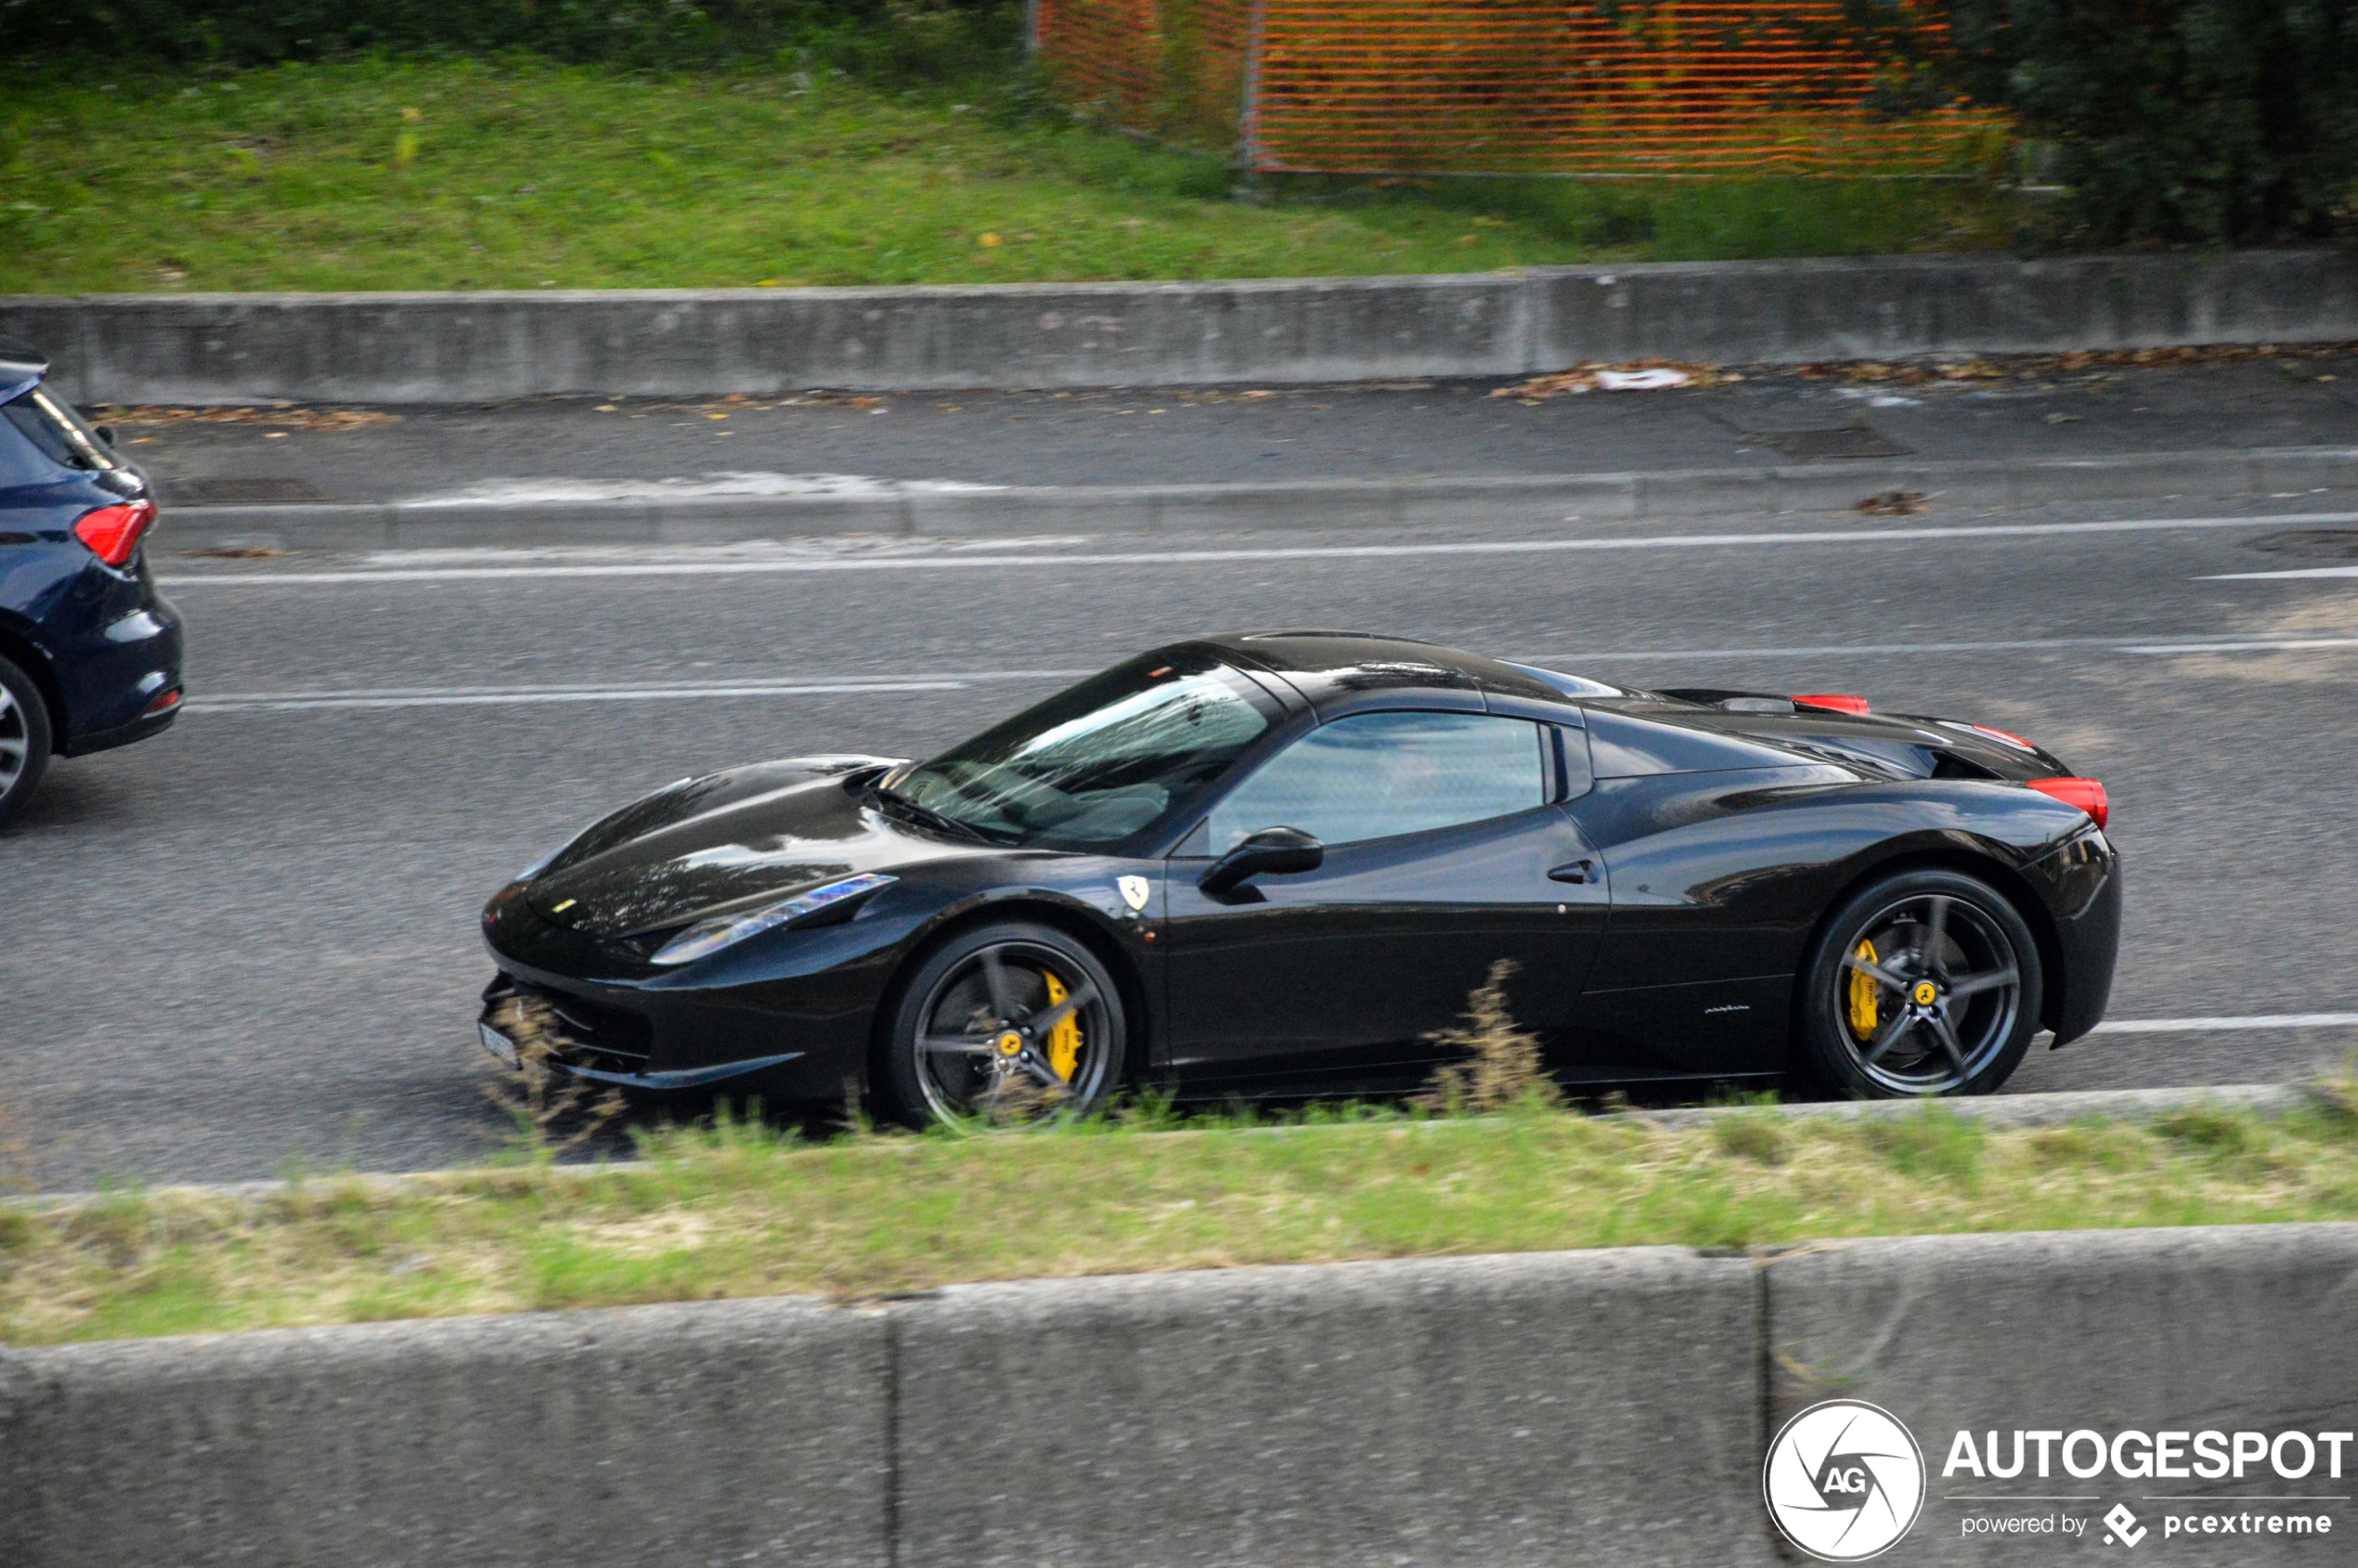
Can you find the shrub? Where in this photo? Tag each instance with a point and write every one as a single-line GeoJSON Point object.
{"type": "Point", "coordinates": [887, 38]}
{"type": "Point", "coordinates": [2202, 120]}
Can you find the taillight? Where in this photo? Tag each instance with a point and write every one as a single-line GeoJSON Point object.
{"type": "Point", "coordinates": [114, 532]}
{"type": "Point", "coordinates": [2086, 794]}
{"type": "Point", "coordinates": [1836, 700]}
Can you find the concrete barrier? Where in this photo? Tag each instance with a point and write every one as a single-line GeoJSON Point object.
{"type": "Point", "coordinates": [1601, 1407]}
{"type": "Point", "coordinates": [458, 347]}
{"type": "Point", "coordinates": [1486, 1410]}
{"type": "Point", "coordinates": [741, 1432]}
{"type": "Point", "coordinates": [2245, 1327]}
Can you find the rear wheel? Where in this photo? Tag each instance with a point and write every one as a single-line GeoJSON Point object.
{"type": "Point", "coordinates": [24, 739]}
{"type": "Point", "coordinates": [1924, 983]}
{"type": "Point", "coordinates": [1007, 1022]}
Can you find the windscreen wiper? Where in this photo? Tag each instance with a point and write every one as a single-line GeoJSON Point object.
{"type": "Point", "coordinates": [928, 815]}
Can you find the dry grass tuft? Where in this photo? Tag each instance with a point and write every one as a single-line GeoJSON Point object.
{"type": "Point", "coordinates": [553, 1112]}
{"type": "Point", "coordinates": [1503, 1066]}
{"type": "Point", "coordinates": [16, 1158]}
{"type": "Point", "coordinates": [1760, 1139]}
{"type": "Point", "coordinates": [1020, 1100]}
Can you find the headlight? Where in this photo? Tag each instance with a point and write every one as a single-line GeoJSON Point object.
{"type": "Point", "coordinates": [711, 936]}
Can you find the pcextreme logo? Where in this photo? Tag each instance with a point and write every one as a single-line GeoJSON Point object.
{"type": "Point", "coordinates": [1845, 1481]}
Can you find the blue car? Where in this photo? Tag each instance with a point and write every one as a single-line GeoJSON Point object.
{"type": "Point", "coordinates": [89, 655]}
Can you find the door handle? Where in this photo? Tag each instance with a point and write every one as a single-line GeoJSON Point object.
{"type": "Point", "coordinates": [1576, 871]}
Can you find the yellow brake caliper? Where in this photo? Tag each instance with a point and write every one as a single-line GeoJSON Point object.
{"type": "Point", "coordinates": [1064, 1040]}
{"type": "Point", "coordinates": [1865, 1008]}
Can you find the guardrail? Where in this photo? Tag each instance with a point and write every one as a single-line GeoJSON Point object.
{"type": "Point", "coordinates": [461, 347]}
{"type": "Point", "coordinates": [1602, 1407]}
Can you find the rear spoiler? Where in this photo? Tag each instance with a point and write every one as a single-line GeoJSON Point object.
{"type": "Point", "coordinates": [21, 365]}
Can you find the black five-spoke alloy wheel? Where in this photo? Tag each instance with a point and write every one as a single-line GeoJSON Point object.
{"type": "Point", "coordinates": [1924, 983]}
{"type": "Point", "coordinates": [1005, 1021]}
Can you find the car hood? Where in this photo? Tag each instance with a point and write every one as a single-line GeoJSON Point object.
{"type": "Point", "coordinates": [728, 843]}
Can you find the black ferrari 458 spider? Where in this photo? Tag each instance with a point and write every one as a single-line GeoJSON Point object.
{"type": "Point", "coordinates": [1276, 863]}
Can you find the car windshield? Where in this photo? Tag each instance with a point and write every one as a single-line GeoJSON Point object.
{"type": "Point", "coordinates": [1097, 762]}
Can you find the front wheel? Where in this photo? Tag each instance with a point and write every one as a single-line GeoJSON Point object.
{"type": "Point", "coordinates": [24, 739]}
{"type": "Point", "coordinates": [1924, 983]}
{"type": "Point", "coordinates": [1006, 1022]}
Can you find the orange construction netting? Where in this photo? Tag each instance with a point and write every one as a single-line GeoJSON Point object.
{"type": "Point", "coordinates": [1503, 86]}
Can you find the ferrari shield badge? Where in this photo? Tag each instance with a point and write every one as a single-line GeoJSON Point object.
{"type": "Point", "coordinates": [1133, 891]}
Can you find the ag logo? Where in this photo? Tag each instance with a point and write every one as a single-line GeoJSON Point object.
{"type": "Point", "coordinates": [1844, 1481]}
{"type": "Point", "coordinates": [1135, 891]}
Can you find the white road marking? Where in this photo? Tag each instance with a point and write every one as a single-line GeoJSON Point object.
{"type": "Point", "coordinates": [821, 547]}
{"type": "Point", "coordinates": [946, 681]}
{"type": "Point", "coordinates": [2303, 572]}
{"type": "Point", "coordinates": [2206, 1026]}
{"type": "Point", "coordinates": [289, 701]}
{"type": "Point", "coordinates": [2270, 645]}
{"type": "Point", "coordinates": [709, 487]}
{"type": "Point", "coordinates": [2024, 645]}
{"type": "Point", "coordinates": [1853, 537]}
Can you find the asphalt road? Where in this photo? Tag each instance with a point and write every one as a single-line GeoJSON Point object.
{"type": "Point", "coordinates": [252, 941]}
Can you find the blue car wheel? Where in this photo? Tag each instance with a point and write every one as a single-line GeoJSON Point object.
{"type": "Point", "coordinates": [24, 739]}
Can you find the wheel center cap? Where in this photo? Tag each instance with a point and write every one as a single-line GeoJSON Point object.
{"type": "Point", "coordinates": [1926, 993]}
{"type": "Point", "coordinates": [1008, 1044]}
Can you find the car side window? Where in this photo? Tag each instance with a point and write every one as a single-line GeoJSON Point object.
{"type": "Point", "coordinates": [1376, 775]}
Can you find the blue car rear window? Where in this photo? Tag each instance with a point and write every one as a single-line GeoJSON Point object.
{"type": "Point", "coordinates": [34, 450]}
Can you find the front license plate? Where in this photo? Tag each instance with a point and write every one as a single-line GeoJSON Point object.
{"type": "Point", "coordinates": [497, 1044]}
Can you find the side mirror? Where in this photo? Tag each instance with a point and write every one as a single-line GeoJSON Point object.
{"type": "Point", "coordinates": [106, 434]}
{"type": "Point", "coordinates": [1272, 851]}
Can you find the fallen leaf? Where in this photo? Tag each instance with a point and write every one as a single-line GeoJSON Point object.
{"type": "Point", "coordinates": [1642, 375]}
{"type": "Point", "coordinates": [288, 418]}
{"type": "Point", "coordinates": [1893, 503]}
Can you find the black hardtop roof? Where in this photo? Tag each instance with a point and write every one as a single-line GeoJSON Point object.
{"type": "Point", "coordinates": [1321, 662]}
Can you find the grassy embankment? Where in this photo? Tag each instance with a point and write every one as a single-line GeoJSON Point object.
{"type": "Point", "coordinates": [520, 174]}
{"type": "Point", "coordinates": [742, 1210]}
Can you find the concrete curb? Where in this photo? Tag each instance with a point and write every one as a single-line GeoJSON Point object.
{"type": "Point", "coordinates": [1606, 1408]}
{"type": "Point", "coordinates": [2016, 1110]}
{"type": "Point", "coordinates": [1302, 504]}
{"type": "Point", "coordinates": [463, 347]}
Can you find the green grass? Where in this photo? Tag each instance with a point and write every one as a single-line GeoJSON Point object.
{"type": "Point", "coordinates": [740, 1211]}
{"type": "Point", "coordinates": [468, 175]}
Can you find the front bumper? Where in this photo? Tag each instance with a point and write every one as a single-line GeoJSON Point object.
{"type": "Point", "coordinates": [521, 1022]}
{"type": "Point", "coordinates": [803, 1027]}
